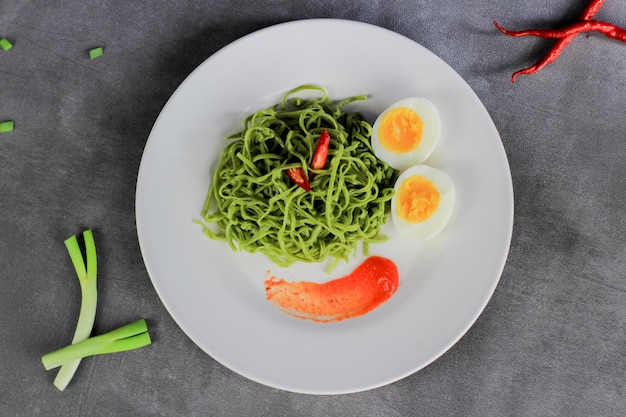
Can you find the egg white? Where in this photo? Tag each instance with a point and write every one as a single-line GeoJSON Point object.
{"type": "Point", "coordinates": [431, 121]}
{"type": "Point", "coordinates": [432, 226]}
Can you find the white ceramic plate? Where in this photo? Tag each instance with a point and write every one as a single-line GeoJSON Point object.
{"type": "Point", "coordinates": [218, 298]}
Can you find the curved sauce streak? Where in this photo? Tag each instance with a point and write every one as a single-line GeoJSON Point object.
{"type": "Point", "coordinates": [368, 286]}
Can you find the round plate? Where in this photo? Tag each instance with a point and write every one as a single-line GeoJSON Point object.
{"type": "Point", "coordinates": [218, 296]}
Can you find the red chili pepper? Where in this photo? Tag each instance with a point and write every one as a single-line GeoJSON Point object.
{"type": "Point", "coordinates": [564, 39]}
{"type": "Point", "coordinates": [591, 9]}
{"type": "Point", "coordinates": [554, 52]}
{"type": "Point", "coordinates": [321, 151]}
{"type": "Point", "coordinates": [299, 178]}
{"type": "Point", "coordinates": [549, 58]}
{"type": "Point", "coordinates": [607, 29]}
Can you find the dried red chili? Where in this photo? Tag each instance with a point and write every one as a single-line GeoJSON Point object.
{"type": "Point", "coordinates": [554, 52]}
{"type": "Point", "coordinates": [565, 35]}
{"type": "Point", "coordinates": [591, 9]}
{"type": "Point", "coordinates": [607, 29]}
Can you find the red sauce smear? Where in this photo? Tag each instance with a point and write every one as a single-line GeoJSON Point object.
{"type": "Point", "coordinates": [367, 287]}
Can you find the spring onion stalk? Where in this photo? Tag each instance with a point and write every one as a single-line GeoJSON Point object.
{"type": "Point", "coordinates": [95, 52]}
{"type": "Point", "coordinates": [6, 126]}
{"type": "Point", "coordinates": [129, 337]}
{"type": "Point", "coordinates": [5, 44]}
{"type": "Point", "coordinates": [87, 277]}
{"type": "Point", "coordinates": [130, 343]}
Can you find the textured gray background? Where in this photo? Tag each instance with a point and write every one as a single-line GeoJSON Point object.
{"type": "Point", "coordinates": [552, 340]}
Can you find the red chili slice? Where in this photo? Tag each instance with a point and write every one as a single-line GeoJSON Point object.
{"type": "Point", "coordinates": [321, 151]}
{"type": "Point", "coordinates": [299, 178]}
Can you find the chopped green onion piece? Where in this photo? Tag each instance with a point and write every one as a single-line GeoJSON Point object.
{"type": "Point", "coordinates": [128, 337]}
{"type": "Point", "coordinates": [6, 126]}
{"type": "Point", "coordinates": [5, 44]}
{"type": "Point", "coordinates": [95, 52]}
{"type": "Point", "coordinates": [87, 277]}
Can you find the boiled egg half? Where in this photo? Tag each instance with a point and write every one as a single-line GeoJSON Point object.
{"type": "Point", "coordinates": [423, 202]}
{"type": "Point", "coordinates": [406, 133]}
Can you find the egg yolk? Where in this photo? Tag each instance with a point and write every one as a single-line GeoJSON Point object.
{"type": "Point", "coordinates": [400, 130]}
{"type": "Point", "coordinates": [417, 199]}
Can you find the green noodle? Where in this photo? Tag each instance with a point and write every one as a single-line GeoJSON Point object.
{"type": "Point", "coordinates": [257, 208]}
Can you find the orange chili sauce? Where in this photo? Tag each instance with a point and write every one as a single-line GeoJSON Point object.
{"type": "Point", "coordinates": [367, 287]}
